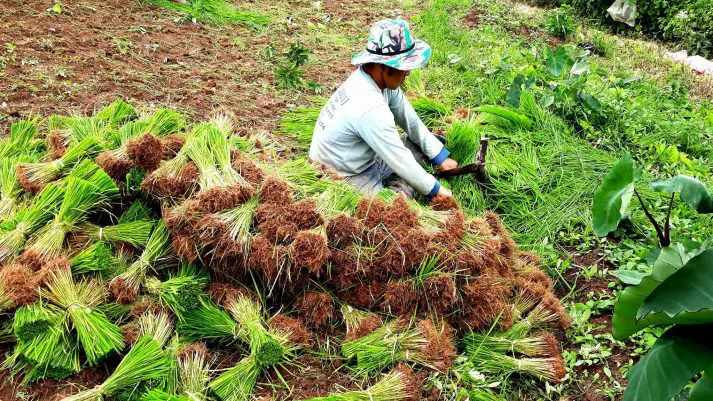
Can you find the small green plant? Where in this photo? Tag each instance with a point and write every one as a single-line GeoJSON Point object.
{"type": "Point", "coordinates": [123, 45]}
{"type": "Point", "coordinates": [289, 74]}
{"type": "Point", "coordinates": [560, 22]}
{"type": "Point", "coordinates": [677, 293]}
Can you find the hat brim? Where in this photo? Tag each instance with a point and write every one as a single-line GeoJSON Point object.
{"type": "Point", "coordinates": [416, 58]}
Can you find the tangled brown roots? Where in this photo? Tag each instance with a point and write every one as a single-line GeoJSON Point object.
{"type": "Point", "coordinates": [116, 168]}
{"type": "Point", "coordinates": [143, 306]}
{"type": "Point", "coordinates": [305, 214]}
{"type": "Point", "coordinates": [364, 295]}
{"type": "Point", "coordinates": [262, 258]}
{"type": "Point", "coordinates": [123, 292]}
{"type": "Point", "coordinates": [145, 151]}
{"type": "Point", "coordinates": [225, 293]}
{"type": "Point", "coordinates": [292, 328]}
{"type": "Point", "coordinates": [248, 170]}
{"type": "Point", "coordinates": [439, 349]}
{"type": "Point", "coordinates": [400, 298]}
{"type": "Point", "coordinates": [26, 182]}
{"type": "Point", "coordinates": [439, 293]}
{"type": "Point", "coordinates": [399, 216]}
{"type": "Point", "coordinates": [277, 191]}
{"type": "Point", "coordinates": [171, 145]}
{"type": "Point", "coordinates": [214, 200]}
{"type": "Point", "coordinates": [164, 186]}
{"type": "Point", "coordinates": [315, 308]}
{"type": "Point", "coordinates": [484, 301]}
{"type": "Point", "coordinates": [371, 212]}
{"type": "Point", "coordinates": [444, 203]}
{"type": "Point", "coordinates": [20, 284]}
{"type": "Point", "coordinates": [310, 250]}
{"type": "Point", "coordinates": [57, 145]}
{"type": "Point", "coordinates": [371, 323]}
{"type": "Point", "coordinates": [343, 230]}
{"type": "Point", "coordinates": [411, 383]}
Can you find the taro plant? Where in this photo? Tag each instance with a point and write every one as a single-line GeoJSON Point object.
{"type": "Point", "coordinates": [678, 292]}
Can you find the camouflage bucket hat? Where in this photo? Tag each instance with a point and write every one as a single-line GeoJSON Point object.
{"type": "Point", "coordinates": [390, 43]}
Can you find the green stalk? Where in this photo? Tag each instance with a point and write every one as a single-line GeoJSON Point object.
{"type": "Point", "coordinates": [117, 113]}
{"type": "Point", "coordinates": [338, 197]}
{"type": "Point", "coordinates": [266, 346]}
{"type": "Point", "coordinates": [97, 335]}
{"type": "Point", "coordinates": [208, 322]}
{"type": "Point", "coordinates": [485, 360]}
{"type": "Point", "coordinates": [238, 382]}
{"type": "Point", "coordinates": [239, 221]}
{"type": "Point", "coordinates": [134, 233]}
{"type": "Point", "coordinates": [32, 320]}
{"type": "Point", "coordinates": [98, 258]}
{"type": "Point", "coordinates": [180, 293]}
{"type": "Point", "coordinates": [22, 135]}
{"type": "Point", "coordinates": [10, 190]}
{"type": "Point", "coordinates": [194, 373]}
{"type": "Point", "coordinates": [540, 345]}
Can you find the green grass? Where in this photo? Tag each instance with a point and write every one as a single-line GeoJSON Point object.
{"type": "Point", "coordinates": [219, 12]}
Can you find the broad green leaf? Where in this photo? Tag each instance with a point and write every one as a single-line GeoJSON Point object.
{"type": "Point", "coordinates": [557, 60]}
{"type": "Point", "coordinates": [688, 293]}
{"type": "Point", "coordinates": [515, 91]}
{"type": "Point", "coordinates": [547, 100]}
{"type": "Point", "coordinates": [580, 67]}
{"type": "Point", "coordinates": [674, 359]}
{"type": "Point", "coordinates": [631, 277]}
{"type": "Point", "coordinates": [703, 389]}
{"type": "Point", "coordinates": [624, 322]}
{"type": "Point", "coordinates": [613, 196]}
{"type": "Point", "coordinates": [692, 192]}
{"type": "Point", "coordinates": [591, 102]}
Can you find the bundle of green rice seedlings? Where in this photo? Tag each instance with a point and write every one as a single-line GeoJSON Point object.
{"type": "Point", "coordinates": [97, 335]}
{"type": "Point", "coordinates": [117, 113]}
{"type": "Point", "coordinates": [28, 220]}
{"type": "Point", "coordinates": [146, 361]}
{"type": "Point", "coordinates": [299, 123]}
{"type": "Point", "coordinates": [238, 382]}
{"type": "Point", "coordinates": [135, 233]}
{"type": "Point", "coordinates": [268, 348]}
{"type": "Point", "coordinates": [10, 190]}
{"type": "Point", "coordinates": [426, 344]}
{"type": "Point", "coordinates": [31, 320]}
{"type": "Point", "coordinates": [139, 143]}
{"type": "Point", "coordinates": [400, 384]}
{"type": "Point", "coordinates": [542, 344]}
{"type": "Point", "coordinates": [430, 111]}
{"type": "Point", "coordinates": [338, 197]}
{"type": "Point", "coordinates": [125, 286]}
{"type": "Point", "coordinates": [52, 354]}
{"type": "Point", "coordinates": [221, 186]}
{"type": "Point", "coordinates": [228, 233]}
{"type": "Point", "coordinates": [547, 313]}
{"type": "Point", "coordinates": [97, 258]}
{"type": "Point", "coordinates": [182, 292]}
{"type": "Point", "coordinates": [81, 197]}
{"type": "Point", "coordinates": [486, 360]}
{"type": "Point", "coordinates": [208, 322]}
{"type": "Point", "coordinates": [137, 211]}
{"type": "Point", "coordinates": [194, 370]}
{"type": "Point", "coordinates": [34, 176]}
{"type": "Point", "coordinates": [302, 176]}
{"type": "Point", "coordinates": [479, 394]}
{"type": "Point", "coordinates": [22, 139]}
{"type": "Point", "coordinates": [160, 395]}
{"type": "Point", "coordinates": [517, 119]}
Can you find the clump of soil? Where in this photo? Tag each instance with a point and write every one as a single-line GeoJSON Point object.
{"type": "Point", "coordinates": [145, 151]}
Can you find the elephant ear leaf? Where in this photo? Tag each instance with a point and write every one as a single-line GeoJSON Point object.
{"type": "Point", "coordinates": [675, 358]}
{"type": "Point", "coordinates": [687, 295]}
{"type": "Point", "coordinates": [624, 321]}
{"type": "Point", "coordinates": [703, 389]}
{"type": "Point", "coordinates": [692, 192]}
{"type": "Point", "coordinates": [612, 198]}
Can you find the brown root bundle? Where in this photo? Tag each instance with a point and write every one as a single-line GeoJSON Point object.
{"type": "Point", "coordinates": [344, 268]}
{"type": "Point", "coordinates": [182, 219]}
{"type": "Point", "coordinates": [530, 258]}
{"type": "Point", "coordinates": [295, 331]}
{"type": "Point", "coordinates": [439, 348]}
{"type": "Point", "coordinates": [536, 276]}
{"type": "Point", "coordinates": [305, 214]}
{"type": "Point", "coordinates": [214, 200]}
{"type": "Point", "coordinates": [57, 144]}
{"type": "Point", "coordinates": [369, 324]}
{"type": "Point", "coordinates": [400, 298]}
{"type": "Point", "coordinates": [412, 384]}
{"type": "Point", "coordinates": [551, 348]}
{"type": "Point", "coordinates": [123, 292]}
{"type": "Point", "coordinates": [145, 151]}
{"type": "Point", "coordinates": [262, 258]}
{"type": "Point", "coordinates": [400, 216]}
{"type": "Point", "coordinates": [416, 246]}
{"type": "Point", "coordinates": [444, 203]}
{"type": "Point", "coordinates": [115, 167]}
{"type": "Point", "coordinates": [371, 212]}
{"type": "Point", "coordinates": [189, 350]}
{"type": "Point", "coordinates": [52, 266]}
{"type": "Point", "coordinates": [29, 185]}
{"type": "Point", "coordinates": [343, 230]}
{"type": "Point", "coordinates": [278, 231]}
{"type": "Point", "coordinates": [20, 284]}
{"type": "Point", "coordinates": [529, 290]}
{"type": "Point", "coordinates": [315, 308]}
{"type": "Point", "coordinates": [32, 259]}
{"type": "Point", "coordinates": [131, 333]}
{"type": "Point", "coordinates": [277, 191]}
{"type": "Point", "coordinates": [484, 302]}
{"type": "Point", "coordinates": [185, 246]}
{"type": "Point", "coordinates": [470, 263]}
{"type": "Point", "coordinates": [165, 186]}
{"type": "Point", "coordinates": [328, 171]}
{"type": "Point", "coordinates": [143, 306]}
{"type": "Point", "coordinates": [508, 247]}
{"type": "Point", "coordinates": [225, 293]}
{"type": "Point", "coordinates": [554, 306]}
{"type": "Point", "coordinates": [364, 295]}
{"type": "Point", "coordinates": [248, 170]}
{"type": "Point", "coordinates": [310, 251]}
{"type": "Point", "coordinates": [439, 293]}
{"type": "Point", "coordinates": [171, 145]}
{"type": "Point", "coordinates": [450, 236]}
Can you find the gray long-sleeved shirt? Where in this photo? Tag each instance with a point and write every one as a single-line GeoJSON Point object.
{"type": "Point", "coordinates": [358, 123]}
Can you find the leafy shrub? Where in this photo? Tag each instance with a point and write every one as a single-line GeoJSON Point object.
{"type": "Point", "coordinates": [560, 22]}
{"type": "Point", "coordinates": [289, 74]}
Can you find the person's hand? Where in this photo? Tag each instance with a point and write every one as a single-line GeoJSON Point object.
{"type": "Point", "coordinates": [448, 164]}
{"type": "Point", "coordinates": [442, 191]}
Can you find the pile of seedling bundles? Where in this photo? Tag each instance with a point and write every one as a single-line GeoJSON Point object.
{"type": "Point", "coordinates": [191, 263]}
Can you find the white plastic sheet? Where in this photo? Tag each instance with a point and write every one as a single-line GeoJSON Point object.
{"type": "Point", "coordinates": [623, 11]}
{"type": "Point", "coordinates": [698, 64]}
